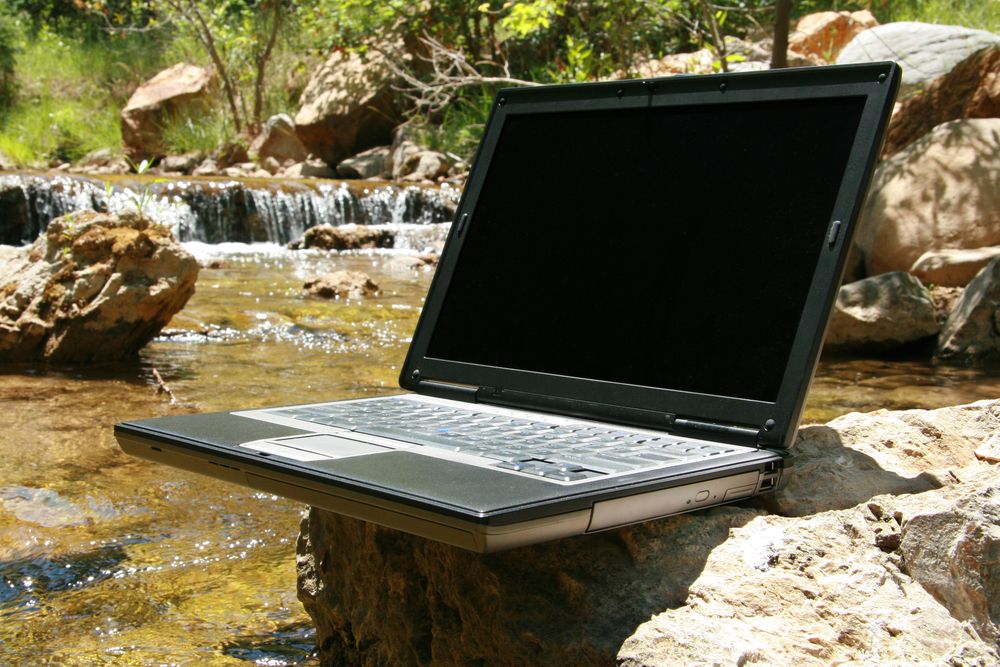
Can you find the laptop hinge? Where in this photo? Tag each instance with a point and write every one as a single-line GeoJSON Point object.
{"type": "Point", "coordinates": [744, 434]}
{"type": "Point", "coordinates": [449, 390]}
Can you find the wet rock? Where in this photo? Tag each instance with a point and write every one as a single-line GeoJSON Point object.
{"type": "Point", "coordinates": [183, 164]}
{"type": "Point", "coordinates": [951, 267]}
{"type": "Point", "coordinates": [178, 89]}
{"type": "Point", "coordinates": [731, 585]}
{"type": "Point", "coordinates": [945, 299]}
{"type": "Point", "coordinates": [423, 262]}
{"type": "Point", "coordinates": [93, 288]}
{"type": "Point", "coordinates": [347, 237]}
{"type": "Point", "coordinates": [970, 90]}
{"type": "Point", "coordinates": [367, 164]}
{"type": "Point", "coordinates": [342, 285]}
{"type": "Point", "coordinates": [941, 191]}
{"type": "Point", "coordinates": [971, 336]}
{"type": "Point", "coordinates": [880, 313]}
{"type": "Point", "coordinates": [823, 35]}
{"type": "Point", "coordinates": [348, 105]}
{"type": "Point", "coordinates": [924, 50]}
{"type": "Point", "coordinates": [278, 140]}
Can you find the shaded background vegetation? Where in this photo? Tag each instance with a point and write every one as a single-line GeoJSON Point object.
{"type": "Point", "coordinates": [68, 67]}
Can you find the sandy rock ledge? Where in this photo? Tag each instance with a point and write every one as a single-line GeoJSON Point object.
{"type": "Point", "coordinates": [883, 550]}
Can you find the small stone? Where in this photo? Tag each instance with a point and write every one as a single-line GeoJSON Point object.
{"type": "Point", "coordinates": [342, 285]}
{"type": "Point", "coordinates": [347, 237]}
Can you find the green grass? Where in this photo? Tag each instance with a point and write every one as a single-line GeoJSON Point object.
{"type": "Point", "coordinates": [198, 132]}
{"type": "Point", "coordinates": [980, 14]}
{"type": "Point", "coordinates": [65, 129]}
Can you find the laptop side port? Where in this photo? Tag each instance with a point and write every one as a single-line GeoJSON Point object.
{"type": "Point", "coordinates": [769, 478]}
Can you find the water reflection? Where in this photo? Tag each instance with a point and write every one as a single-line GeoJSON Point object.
{"type": "Point", "coordinates": [106, 558]}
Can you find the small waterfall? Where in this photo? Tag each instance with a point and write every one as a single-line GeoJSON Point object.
{"type": "Point", "coordinates": [219, 211]}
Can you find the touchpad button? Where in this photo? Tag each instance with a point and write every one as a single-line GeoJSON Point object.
{"type": "Point", "coordinates": [331, 446]}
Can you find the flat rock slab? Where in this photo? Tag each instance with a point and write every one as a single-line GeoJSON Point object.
{"type": "Point", "coordinates": [898, 569]}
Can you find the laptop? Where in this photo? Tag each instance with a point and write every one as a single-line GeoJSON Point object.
{"type": "Point", "coordinates": [623, 325]}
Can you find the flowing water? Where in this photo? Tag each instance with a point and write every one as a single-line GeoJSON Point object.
{"type": "Point", "coordinates": [106, 559]}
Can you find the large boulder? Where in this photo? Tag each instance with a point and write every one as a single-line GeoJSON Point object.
{"type": "Point", "coordinates": [924, 50]}
{"type": "Point", "coordinates": [880, 313]}
{"type": "Point", "coordinates": [951, 267]}
{"type": "Point", "coordinates": [278, 140]}
{"type": "Point", "coordinates": [178, 89]}
{"type": "Point", "coordinates": [971, 336]}
{"type": "Point", "coordinates": [94, 288]}
{"type": "Point", "coordinates": [970, 90]}
{"type": "Point", "coordinates": [348, 105]}
{"type": "Point", "coordinates": [941, 191]}
{"type": "Point", "coordinates": [855, 577]}
{"type": "Point", "coordinates": [372, 163]}
{"type": "Point", "coordinates": [823, 35]}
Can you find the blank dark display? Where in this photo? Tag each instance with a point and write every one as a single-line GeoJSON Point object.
{"type": "Point", "coordinates": [667, 247]}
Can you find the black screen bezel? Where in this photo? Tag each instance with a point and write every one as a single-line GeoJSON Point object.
{"type": "Point", "coordinates": [876, 83]}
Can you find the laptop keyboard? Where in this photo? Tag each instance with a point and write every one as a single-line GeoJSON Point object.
{"type": "Point", "coordinates": [560, 452]}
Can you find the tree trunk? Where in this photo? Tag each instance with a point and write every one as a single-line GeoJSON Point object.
{"type": "Point", "coordinates": [262, 58]}
{"type": "Point", "coordinates": [779, 52]}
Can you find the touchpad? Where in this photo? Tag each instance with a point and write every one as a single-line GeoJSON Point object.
{"type": "Point", "coordinates": [330, 446]}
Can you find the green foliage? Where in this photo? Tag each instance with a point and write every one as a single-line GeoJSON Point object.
{"type": "Point", "coordinates": [461, 124]}
{"type": "Point", "coordinates": [8, 52]}
{"type": "Point", "coordinates": [58, 128]}
{"type": "Point", "coordinates": [198, 132]}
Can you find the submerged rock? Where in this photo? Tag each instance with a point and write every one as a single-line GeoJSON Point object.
{"type": "Point", "coordinates": [93, 288]}
{"type": "Point", "coordinates": [342, 285]}
{"type": "Point", "coordinates": [880, 313]}
{"type": "Point", "coordinates": [856, 576]}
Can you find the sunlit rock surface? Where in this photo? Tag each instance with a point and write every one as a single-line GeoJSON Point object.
{"type": "Point", "coordinates": [941, 191]}
{"type": "Point", "coordinates": [881, 549]}
{"type": "Point", "coordinates": [175, 90]}
{"type": "Point", "coordinates": [342, 285]}
{"type": "Point", "coordinates": [971, 336]}
{"type": "Point", "coordinates": [93, 288]}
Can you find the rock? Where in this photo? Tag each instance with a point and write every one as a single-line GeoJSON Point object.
{"type": "Point", "coordinates": [178, 89]}
{"type": "Point", "coordinates": [951, 267]}
{"type": "Point", "coordinates": [971, 336]}
{"type": "Point", "coordinates": [823, 35]}
{"type": "Point", "coordinates": [970, 90]}
{"type": "Point", "coordinates": [97, 158]}
{"type": "Point", "coordinates": [347, 106]}
{"type": "Point", "coordinates": [941, 191]}
{"type": "Point", "coordinates": [208, 167]}
{"type": "Point", "coordinates": [945, 299]}
{"type": "Point", "coordinates": [6, 164]}
{"type": "Point", "coordinates": [924, 50]}
{"type": "Point", "coordinates": [989, 451]}
{"type": "Point", "coordinates": [952, 551]}
{"type": "Point", "coordinates": [425, 165]}
{"type": "Point", "coordinates": [367, 164]}
{"type": "Point", "coordinates": [817, 591]}
{"type": "Point", "coordinates": [94, 288]}
{"type": "Point", "coordinates": [423, 262]}
{"type": "Point", "coordinates": [183, 164]}
{"type": "Point", "coordinates": [347, 237]}
{"type": "Point", "coordinates": [859, 456]}
{"type": "Point", "coordinates": [311, 168]}
{"type": "Point", "coordinates": [880, 313]}
{"type": "Point", "coordinates": [727, 586]}
{"type": "Point", "coordinates": [402, 152]}
{"type": "Point", "coordinates": [230, 154]}
{"type": "Point", "coordinates": [271, 165]}
{"type": "Point", "coordinates": [342, 285]}
{"type": "Point", "coordinates": [118, 165]}
{"type": "Point", "coordinates": [278, 140]}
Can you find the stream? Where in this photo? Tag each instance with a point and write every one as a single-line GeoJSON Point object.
{"type": "Point", "coordinates": [107, 559]}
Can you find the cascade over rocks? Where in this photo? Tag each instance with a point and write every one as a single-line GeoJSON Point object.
{"type": "Point", "coordinates": [924, 50]}
{"type": "Point", "coordinates": [970, 90]}
{"type": "Point", "coordinates": [880, 313]}
{"type": "Point", "coordinates": [347, 106]}
{"type": "Point", "coordinates": [94, 288]}
{"type": "Point", "coordinates": [941, 191]}
{"type": "Point", "coordinates": [177, 89]}
{"type": "Point", "coordinates": [896, 566]}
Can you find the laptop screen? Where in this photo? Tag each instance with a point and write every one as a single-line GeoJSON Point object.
{"type": "Point", "coordinates": [664, 246]}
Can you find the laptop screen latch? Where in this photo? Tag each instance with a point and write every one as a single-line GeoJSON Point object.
{"type": "Point", "coordinates": [449, 390]}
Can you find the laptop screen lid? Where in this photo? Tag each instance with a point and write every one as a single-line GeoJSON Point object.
{"type": "Point", "coordinates": [655, 252]}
